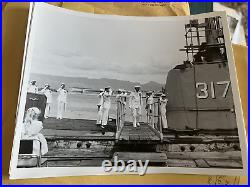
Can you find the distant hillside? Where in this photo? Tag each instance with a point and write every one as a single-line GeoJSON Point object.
{"type": "Point", "coordinates": [80, 82]}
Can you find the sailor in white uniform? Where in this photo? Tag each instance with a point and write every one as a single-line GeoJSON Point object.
{"type": "Point", "coordinates": [124, 96]}
{"type": "Point", "coordinates": [100, 107]}
{"type": "Point", "coordinates": [106, 105]}
{"type": "Point", "coordinates": [62, 101]}
{"type": "Point", "coordinates": [119, 95]}
{"type": "Point", "coordinates": [48, 93]}
{"type": "Point", "coordinates": [135, 104]}
{"type": "Point", "coordinates": [120, 107]}
{"type": "Point", "coordinates": [163, 109]}
{"type": "Point", "coordinates": [149, 107]}
{"type": "Point", "coordinates": [33, 88]}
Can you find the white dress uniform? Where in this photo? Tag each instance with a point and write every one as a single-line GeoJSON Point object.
{"type": "Point", "coordinates": [124, 100]}
{"type": "Point", "coordinates": [119, 97]}
{"type": "Point", "coordinates": [48, 94]}
{"type": "Point", "coordinates": [100, 108]}
{"type": "Point", "coordinates": [61, 100]}
{"type": "Point", "coordinates": [120, 107]}
{"type": "Point", "coordinates": [163, 109]}
{"type": "Point", "coordinates": [106, 107]}
{"type": "Point", "coordinates": [150, 102]}
{"type": "Point", "coordinates": [136, 104]}
{"type": "Point", "coordinates": [33, 89]}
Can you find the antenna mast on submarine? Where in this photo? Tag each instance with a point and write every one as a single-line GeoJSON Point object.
{"type": "Point", "coordinates": [205, 41]}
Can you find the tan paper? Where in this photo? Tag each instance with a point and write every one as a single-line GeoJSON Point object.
{"type": "Point", "coordinates": [132, 9]}
{"type": "Point", "coordinates": [14, 28]}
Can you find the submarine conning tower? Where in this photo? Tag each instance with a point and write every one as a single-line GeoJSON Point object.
{"type": "Point", "coordinates": [199, 89]}
{"type": "Point", "coordinates": [205, 41]}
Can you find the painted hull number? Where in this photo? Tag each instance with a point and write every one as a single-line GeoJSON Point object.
{"type": "Point", "coordinates": [203, 91]}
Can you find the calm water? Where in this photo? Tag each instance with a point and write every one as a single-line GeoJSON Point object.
{"type": "Point", "coordinates": [84, 106]}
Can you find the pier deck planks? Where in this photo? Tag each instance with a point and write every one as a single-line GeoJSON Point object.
{"type": "Point", "coordinates": [144, 132]}
{"type": "Point", "coordinates": [76, 129]}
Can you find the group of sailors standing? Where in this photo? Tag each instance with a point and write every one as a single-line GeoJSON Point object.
{"type": "Point", "coordinates": [61, 98]}
{"type": "Point", "coordinates": [135, 104]}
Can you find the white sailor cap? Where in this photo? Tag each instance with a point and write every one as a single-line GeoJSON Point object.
{"type": "Point", "coordinates": [102, 90]}
{"type": "Point", "coordinates": [46, 84]}
{"type": "Point", "coordinates": [137, 86]}
{"type": "Point", "coordinates": [63, 84]}
{"type": "Point", "coordinates": [108, 87]}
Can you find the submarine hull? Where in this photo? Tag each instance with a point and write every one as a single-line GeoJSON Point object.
{"type": "Point", "coordinates": [200, 97]}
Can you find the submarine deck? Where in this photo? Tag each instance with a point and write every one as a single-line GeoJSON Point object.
{"type": "Point", "coordinates": [82, 129]}
{"type": "Point", "coordinates": [64, 135]}
{"type": "Point", "coordinates": [76, 129]}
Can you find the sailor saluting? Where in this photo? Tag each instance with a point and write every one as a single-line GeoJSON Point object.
{"type": "Point", "coordinates": [149, 107]}
{"type": "Point", "coordinates": [48, 93]}
{"type": "Point", "coordinates": [163, 109]}
{"type": "Point", "coordinates": [100, 107]}
{"type": "Point", "coordinates": [33, 88]}
{"type": "Point", "coordinates": [135, 104]}
{"type": "Point", "coordinates": [106, 105]}
{"type": "Point", "coordinates": [61, 101]}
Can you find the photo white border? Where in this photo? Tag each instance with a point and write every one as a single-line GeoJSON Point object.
{"type": "Point", "coordinates": [19, 173]}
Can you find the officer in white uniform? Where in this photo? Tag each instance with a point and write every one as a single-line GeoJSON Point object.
{"type": "Point", "coordinates": [149, 107]}
{"type": "Point", "coordinates": [124, 95]}
{"type": "Point", "coordinates": [124, 100]}
{"type": "Point", "coordinates": [106, 105]}
{"type": "Point", "coordinates": [48, 93]}
{"type": "Point", "coordinates": [100, 107]}
{"type": "Point", "coordinates": [136, 103]}
{"type": "Point", "coordinates": [33, 88]}
{"type": "Point", "coordinates": [163, 109]}
{"type": "Point", "coordinates": [62, 101]}
{"type": "Point", "coordinates": [120, 107]}
{"type": "Point", "coordinates": [119, 95]}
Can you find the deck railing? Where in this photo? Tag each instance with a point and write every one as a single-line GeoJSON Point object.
{"type": "Point", "coordinates": [154, 117]}
{"type": "Point", "coordinates": [120, 118]}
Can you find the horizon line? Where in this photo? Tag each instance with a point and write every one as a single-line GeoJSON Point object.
{"type": "Point", "coordinates": [96, 78]}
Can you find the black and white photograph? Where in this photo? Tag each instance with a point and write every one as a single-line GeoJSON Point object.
{"type": "Point", "coordinates": [136, 93]}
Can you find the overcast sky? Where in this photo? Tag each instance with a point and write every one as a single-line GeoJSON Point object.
{"type": "Point", "coordinates": [68, 44]}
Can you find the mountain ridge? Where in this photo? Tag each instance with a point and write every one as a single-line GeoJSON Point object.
{"type": "Point", "coordinates": [87, 83]}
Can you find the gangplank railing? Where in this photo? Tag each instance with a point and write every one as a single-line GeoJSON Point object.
{"type": "Point", "coordinates": [120, 116]}
{"type": "Point", "coordinates": [154, 117]}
